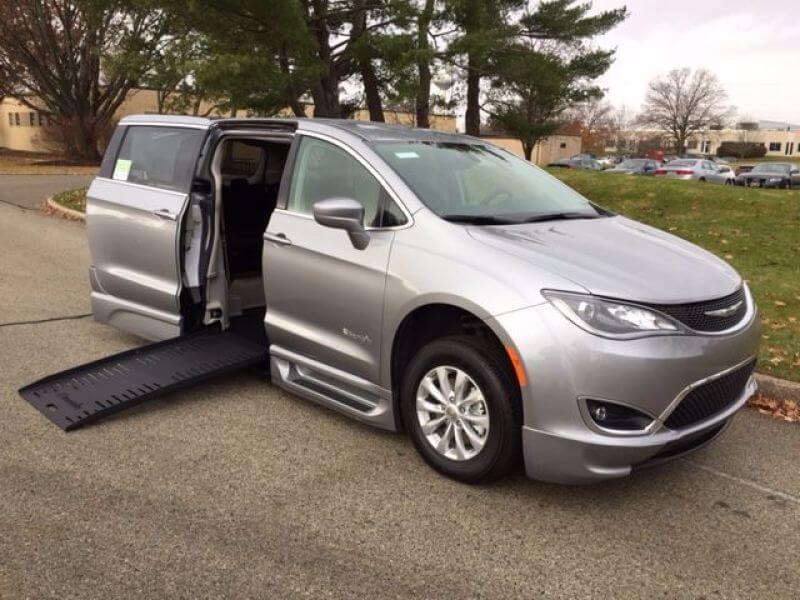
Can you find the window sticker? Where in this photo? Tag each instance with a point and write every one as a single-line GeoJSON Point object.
{"type": "Point", "coordinates": [122, 169]}
{"type": "Point", "coordinates": [406, 155]}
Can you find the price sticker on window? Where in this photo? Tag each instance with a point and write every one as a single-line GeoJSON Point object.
{"type": "Point", "coordinates": [122, 169]}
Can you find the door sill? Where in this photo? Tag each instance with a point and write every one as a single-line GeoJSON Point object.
{"type": "Point", "coordinates": [331, 387]}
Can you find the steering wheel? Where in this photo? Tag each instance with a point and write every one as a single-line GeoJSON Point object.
{"type": "Point", "coordinates": [497, 196]}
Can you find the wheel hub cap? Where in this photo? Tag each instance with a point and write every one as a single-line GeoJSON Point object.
{"type": "Point", "coordinates": [452, 412]}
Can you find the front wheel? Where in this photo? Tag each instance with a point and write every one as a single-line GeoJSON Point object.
{"type": "Point", "coordinates": [462, 409]}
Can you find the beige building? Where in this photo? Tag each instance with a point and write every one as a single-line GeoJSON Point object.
{"type": "Point", "coordinates": [779, 141]}
{"type": "Point", "coordinates": [553, 148]}
{"type": "Point", "coordinates": [22, 128]}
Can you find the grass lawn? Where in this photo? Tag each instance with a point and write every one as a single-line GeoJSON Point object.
{"type": "Point", "coordinates": [74, 199]}
{"type": "Point", "coordinates": [756, 231]}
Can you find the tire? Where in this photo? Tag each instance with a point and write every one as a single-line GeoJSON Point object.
{"type": "Point", "coordinates": [502, 406]}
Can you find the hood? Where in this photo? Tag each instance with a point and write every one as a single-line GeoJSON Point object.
{"type": "Point", "coordinates": [618, 258]}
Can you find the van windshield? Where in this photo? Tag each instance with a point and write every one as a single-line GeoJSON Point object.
{"type": "Point", "coordinates": [480, 184]}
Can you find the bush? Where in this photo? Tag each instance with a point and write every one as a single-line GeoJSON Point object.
{"type": "Point", "coordinates": [742, 149]}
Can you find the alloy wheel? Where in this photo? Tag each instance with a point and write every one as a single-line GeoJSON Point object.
{"type": "Point", "coordinates": [452, 413]}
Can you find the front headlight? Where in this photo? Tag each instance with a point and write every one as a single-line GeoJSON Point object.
{"type": "Point", "coordinates": [610, 318]}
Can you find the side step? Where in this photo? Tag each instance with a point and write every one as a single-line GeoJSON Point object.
{"type": "Point", "coordinates": [75, 397]}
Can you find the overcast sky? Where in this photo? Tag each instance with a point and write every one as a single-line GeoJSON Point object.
{"type": "Point", "coordinates": [753, 46]}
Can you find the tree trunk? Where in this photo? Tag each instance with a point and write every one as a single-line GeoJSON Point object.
{"type": "Point", "coordinates": [291, 93]}
{"type": "Point", "coordinates": [364, 63]}
{"type": "Point", "coordinates": [423, 100]}
{"type": "Point", "coordinates": [325, 91]}
{"type": "Point", "coordinates": [84, 136]}
{"type": "Point", "coordinates": [472, 118]}
{"type": "Point", "coordinates": [527, 149]}
{"type": "Point", "coordinates": [371, 90]}
{"type": "Point", "coordinates": [326, 101]}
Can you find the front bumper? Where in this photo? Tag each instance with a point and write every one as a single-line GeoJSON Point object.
{"type": "Point", "coordinates": [760, 183]}
{"type": "Point", "coordinates": [563, 364]}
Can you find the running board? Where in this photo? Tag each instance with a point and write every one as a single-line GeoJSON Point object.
{"type": "Point", "coordinates": [83, 394]}
{"type": "Point", "coordinates": [332, 387]}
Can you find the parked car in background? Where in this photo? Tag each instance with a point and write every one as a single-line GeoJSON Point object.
{"type": "Point", "coordinates": [635, 166]}
{"type": "Point", "coordinates": [743, 169]}
{"type": "Point", "coordinates": [698, 170]}
{"type": "Point", "coordinates": [608, 161]}
{"type": "Point", "coordinates": [771, 175]}
{"type": "Point", "coordinates": [588, 164]}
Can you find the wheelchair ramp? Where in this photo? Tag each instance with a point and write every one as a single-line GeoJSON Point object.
{"type": "Point", "coordinates": [73, 398]}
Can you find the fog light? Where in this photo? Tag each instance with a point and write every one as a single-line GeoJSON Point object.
{"type": "Point", "coordinates": [599, 413]}
{"type": "Point", "coordinates": [616, 416]}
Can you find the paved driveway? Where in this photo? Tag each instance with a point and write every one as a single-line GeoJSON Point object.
{"type": "Point", "coordinates": [30, 191]}
{"type": "Point", "coordinates": [237, 489]}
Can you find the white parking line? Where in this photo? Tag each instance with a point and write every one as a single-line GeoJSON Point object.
{"type": "Point", "coordinates": [746, 482]}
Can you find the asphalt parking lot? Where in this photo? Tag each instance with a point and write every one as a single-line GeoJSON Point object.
{"type": "Point", "coordinates": [236, 489]}
{"type": "Point", "coordinates": [26, 191]}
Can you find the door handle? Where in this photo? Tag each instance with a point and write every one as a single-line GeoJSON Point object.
{"type": "Point", "coordinates": [163, 213]}
{"type": "Point", "coordinates": [278, 238]}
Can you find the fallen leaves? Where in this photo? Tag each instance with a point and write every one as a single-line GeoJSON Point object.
{"type": "Point", "coordinates": [787, 410]}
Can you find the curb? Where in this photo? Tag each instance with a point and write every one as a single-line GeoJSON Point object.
{"type": "Point", "coordinates": [53, 207]}
{"type": "Point", "coordinates": [778, 389]}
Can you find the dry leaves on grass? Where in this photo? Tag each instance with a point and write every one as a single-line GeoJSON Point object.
{"type": "Point", "coordinates": [788, 410]}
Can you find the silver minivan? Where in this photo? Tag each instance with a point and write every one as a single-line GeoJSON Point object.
{"type": "Point", "coordinates": [425, 282]}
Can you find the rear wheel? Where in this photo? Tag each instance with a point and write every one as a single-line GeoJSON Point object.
{"type": "Point", "coordinates": [462, 409]}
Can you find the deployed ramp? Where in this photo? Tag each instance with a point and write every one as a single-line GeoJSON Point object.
{"type": "Point", "coordinates": [72, 398]}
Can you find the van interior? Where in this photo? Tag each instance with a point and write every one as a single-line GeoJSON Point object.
{"type": "Point", "coordinates": [251, 171]}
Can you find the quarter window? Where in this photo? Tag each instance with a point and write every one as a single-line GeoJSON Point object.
{"type": "Point", "coordinates": [324, 171]}
{"type": "Point", "coordinates": [162, 157]}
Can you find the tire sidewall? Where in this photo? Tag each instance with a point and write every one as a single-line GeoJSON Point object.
{"type": "Point", "coordinates": [478, 366]}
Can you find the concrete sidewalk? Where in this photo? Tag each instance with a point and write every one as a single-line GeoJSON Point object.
{"type": "Point", "coordinates": [236, 489]}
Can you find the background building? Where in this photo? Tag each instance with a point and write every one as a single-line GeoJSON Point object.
{"type": "Point", "coordinates": [779, 139]}
{"type": "Point", "coordinates": [24, 129]}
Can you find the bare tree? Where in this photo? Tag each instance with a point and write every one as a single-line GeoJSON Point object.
{"type": "Point", "coordinates": [594, 117]}
{"type": "Point", "coordinates": [621, 121]}
{"type": "Point", "coordinates": [75, 61]}
{"type": "Point", "coordinates": [684, 102]}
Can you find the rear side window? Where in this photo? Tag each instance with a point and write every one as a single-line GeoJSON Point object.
{"type": "Point", "coordinates": [162, 157]}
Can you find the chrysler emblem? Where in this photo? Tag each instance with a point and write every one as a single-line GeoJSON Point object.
{"type": "Point", "coordinates": [724, 312]}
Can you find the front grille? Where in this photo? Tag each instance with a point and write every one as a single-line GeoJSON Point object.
{"type": "Point", "coordinates": [710, 398]}
{"type": "Point", "coordinates": [694, 315]}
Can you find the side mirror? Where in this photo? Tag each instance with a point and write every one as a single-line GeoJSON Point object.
{"type": "Point", "coordinates": [343, 213]}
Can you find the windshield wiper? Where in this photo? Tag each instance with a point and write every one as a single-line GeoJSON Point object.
{"type": "Point", "coordinates": [479, 219]}
{"type": "Point", "coordinates": [560, 216]}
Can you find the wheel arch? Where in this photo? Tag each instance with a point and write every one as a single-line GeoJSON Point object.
{"type": "Point", "coordinates": [428, 322]}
